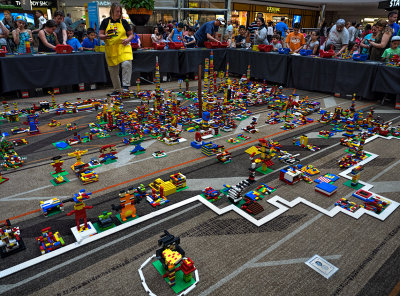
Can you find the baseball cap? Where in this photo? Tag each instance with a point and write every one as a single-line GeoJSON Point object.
{"type": "Point", "coordinates": [221, 19]}
{"type": "Point", "coordinates": [340, 22]}
{"type": "Point", "coordinates": [396, 38]}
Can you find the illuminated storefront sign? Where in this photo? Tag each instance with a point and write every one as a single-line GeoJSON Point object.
{"type": "Point", "coordinates": [273, 9]}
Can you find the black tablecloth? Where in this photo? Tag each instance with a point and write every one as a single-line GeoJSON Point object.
{"type": "Point", "coordinates": [331, 75]}
{"type": "Point", "coordinates": [145, 60]}
{"type": "Point", "coordinates": [190, 59]}
{"type": "Point", "coordinates": [387, 80]}
{"type": "Point", "coordinates": [51, 70]}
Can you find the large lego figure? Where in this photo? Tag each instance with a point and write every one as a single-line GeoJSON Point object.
{"type": "Point", "coordinates": [127, 203]}
{"type": "Point", "coordinates": [80, 208]}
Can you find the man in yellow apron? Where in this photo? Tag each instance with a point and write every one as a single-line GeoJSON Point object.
{"type": "Point", "coordinates": [117, 34]}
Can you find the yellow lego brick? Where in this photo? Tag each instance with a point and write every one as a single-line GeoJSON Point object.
{"type": "Point", "coordinates": [169, 188]}
{"type": "Point", "coordinates": [171, 257]}
{"type": "Point", "coordinates": [252, 149]}
{"type": "Point", "coordinates": [156, 184]}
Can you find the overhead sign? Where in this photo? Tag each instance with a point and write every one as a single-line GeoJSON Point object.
{"type": "Point", "coordinates": [389, 4]}
{"type": "Point", "coordinates": [27, 4]}
{"type": "Point", "coordinates": [273, 9]}
{"type": "Point", "coordinates": [93, 14]}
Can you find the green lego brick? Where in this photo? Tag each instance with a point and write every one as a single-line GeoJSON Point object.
{"type": "Point", "coordinates": [181, 189]}
{"type": "Point", "coordinates": [180, 284]}
{"type": "Point", "coordinates": [127, 219]}
{"type": "Point", "coordinates": [98, 229]}
{"type": "Point", "coordinates": [108, 161]}
{"type": "Point", "coordinates": [264, 172]}
{"type": "Point", "coordinates": [54, 144]}
{"type": "Point", "coordinates": [54, 174]}
{"type": "Point", "coordinates": [348, 184]}
{"type": "Point", "coordinates": [55, 184]}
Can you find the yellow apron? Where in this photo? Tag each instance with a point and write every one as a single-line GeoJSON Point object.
{"type": "Point", "coordinates": [116, 52]}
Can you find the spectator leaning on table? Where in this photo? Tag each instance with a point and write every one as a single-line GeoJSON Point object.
{"type": "Point", "coordinates": [21, 34]}
{"type": "Point", "coordinates": [276, 42]}
{"type": "Point", "coordinates": [313, 43]}
{"type": "Point", "coordinates": [393, 50]}
{"type": "Point", "coordinates": [47, 37]}
{"type": "Point", "coordinates": [381, 42]}
{"type": "Point", "coordinates": [190, 41]}
{"type": "Point", "coordinates": [117, 35]}
{"type": "Point", "coordinates": [72, 41]}
{"type": "Point", "coordinates": [365, 42]}
{"type": "Point", "coordinates": [176, 33]}
{"type": "Point", "coordinates": [90, 41]}
{"type": "Point", "coordinates": [338, 38]}
{"type": "Point", "coordinates": [61, 29]}
{"type": "Point", "coordinates": [392, 17]}
{"type": "Point", "coordinates": [295, 40]}
{"type": "Point", "coordinates": [260, 35]}
{"type": "Point", "coordinates": [207, 31]}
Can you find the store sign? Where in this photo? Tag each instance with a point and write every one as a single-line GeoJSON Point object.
{"type": "Point", "coordinates": [273, 9]}
{"type": "Point", "coordinates": [389, 4]}
{"type": "Point", "coordinates": [104, 3]}
{"type": "Point", "coordinates": [36, 3]}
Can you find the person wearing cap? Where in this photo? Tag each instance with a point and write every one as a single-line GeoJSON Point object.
{"type": "Point", "coordinates": [207, 31]}
{"type": "Point", "coordinates": [338, 37]}
{"type": "Point", "coordinates": [21, 34]}
{"type": "Point", "coordinates": [393, 50]}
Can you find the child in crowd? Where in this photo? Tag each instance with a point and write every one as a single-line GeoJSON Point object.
{"type": "Point", "coordinates": [90, 41]}
{"type": "Point", "coordinates": [190, 41]}
{"type": "Point", "coordinates": [136, 38]}
{"type": "Point", "coordinates": [72, 41]}
{"type": "Point", "coordinates": [176, 33]}
{"type": "Point", "coordinates": [393, 50]}
{"type": "Point", "coordinates": [295, 40]}
{"type": "Point", "coordinates": [47, 37]}
{"type": "Point", "coordinates": [313, 43]}
{"type": "Point", "coordinates": [240, 40]}
{"type": "Point", "coordinates": [156, 37]}
{"type": "Point", "coordinates": [275, 42]}
{"type": "Point", "coordinates": [21, 34]}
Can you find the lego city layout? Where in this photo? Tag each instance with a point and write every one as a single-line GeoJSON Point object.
{"type": "Point", "coordinates": [263, 191]}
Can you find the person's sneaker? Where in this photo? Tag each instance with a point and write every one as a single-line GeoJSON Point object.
{"type": "Point", "coordinates": [114, 93]}
{"type": "Point", "coordinates": [125, 89]}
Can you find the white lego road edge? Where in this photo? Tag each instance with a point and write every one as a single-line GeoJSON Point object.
{"type": "Point", "coordinates": [282, 205]}
{"type": "Point", "coordinates": [146, 287]}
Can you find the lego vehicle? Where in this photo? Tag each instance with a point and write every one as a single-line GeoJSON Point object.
{"type": "Point", "coordinates": [20, 142]}
{"type": "Point", "coordinates": [288, 158]}
{"type": "Point", "coordinates": [10, 240]}
{"type": "Point", "coordinates": [51, 206]}
{"type": "Point", "coordinates": [371, 201]}
{"type": "Point", "coordinates": [346, 204]}
{"type": "Point", "coordinates": [48, 241]}
{"type": "Point", "coordinates": [210, 193]}
{"type": "Point", "coordinates": [54, 123]}
{"type": "Point", "coordinates": [18, 130]}
{"type": "Point", "coordinates": [85, 174]}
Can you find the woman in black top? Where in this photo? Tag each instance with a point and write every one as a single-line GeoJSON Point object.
{"type": "Point", "coordinates": [47, 37]}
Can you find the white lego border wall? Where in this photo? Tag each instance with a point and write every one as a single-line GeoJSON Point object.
{"type": "Point", "coordinates": [280, 203]}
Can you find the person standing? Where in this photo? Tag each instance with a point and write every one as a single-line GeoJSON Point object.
{"type": "Point", "coordinates": [229, 29]}
{"type": "Point", "coordinates": [21, 34]}
{"type": "Point", "coordinates": [282, 27]}
{"type": "Point", "coordinates": [4, 32]}
{"type": "Point", "coordinates": [61, 30]}
{"type": "Point", "coordinates": [295, 40]}
{"type": "Point", "coordinates": [270, 31]}
{"type": "Point", "coordinates": [382, 41]}
{"type": "Point", "coordinates": [323, 33]}
{"type": "Point", "coordinates": [392, 17]}
{"type": "Point", "coordinates": [47, 37]}
{"type": "Point", "coordinates": [352, 30]}
{"type": "Point", "coordinates": [260, 35]}
{"type": "Point", "coordinates": [207, 31]}
{"type": "Point", "coordinates": [253, 27]}
{"type": "Point", "coordinates": [68, 20]}
{"type": "Point", "coordinates": [117, 35]}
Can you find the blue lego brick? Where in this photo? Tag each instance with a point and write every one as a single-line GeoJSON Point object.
{"type": "Point", "coordinates": [326, 187]}
{"type": "Point", "coordinates": [332, 177]}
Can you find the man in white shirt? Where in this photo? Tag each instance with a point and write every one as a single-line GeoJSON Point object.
{"type": "Point", "coordinates": [352, 30]}
{"type": "Point", "coordinates": [338, 38]}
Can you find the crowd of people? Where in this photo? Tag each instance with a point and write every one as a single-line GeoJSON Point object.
{"type": "Point", "coordinates": [378, 41]}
